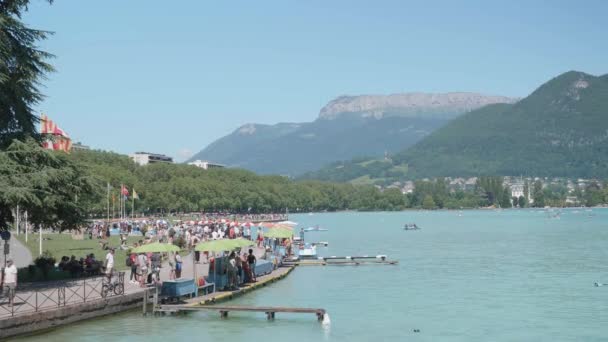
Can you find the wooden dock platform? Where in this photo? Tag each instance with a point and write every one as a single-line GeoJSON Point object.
{"type": "Point", "coordinates": [343, 262]}
{"type": "Point", "coordinates": [223, 310]}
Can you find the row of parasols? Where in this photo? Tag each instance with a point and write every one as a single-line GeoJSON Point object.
{"type": "Point", "coordinates": [276, 231]}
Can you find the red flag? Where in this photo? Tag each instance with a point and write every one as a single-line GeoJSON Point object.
{"type": "Point", "coordinates": [124, 191]}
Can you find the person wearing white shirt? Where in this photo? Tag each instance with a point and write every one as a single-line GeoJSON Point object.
{"type": "Point", "coordinates": [109, 263]}
{"type": "Point", "coordinates": [9, 279]}
{"type": "Point", "coordinates": [214, 235]}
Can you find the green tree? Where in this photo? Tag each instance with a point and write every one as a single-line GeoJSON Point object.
{"type": "Point", "coordinates": [23, 66]}
{"type": "Point", "coordinates": [515, 201]}
{"type": "Point", "coordinates": [593, 194]}
{"type": "Point", "coordinates": [522, 202]}
{"type": "Point", "coordinates": [56, 192]}
{"type": "Point", "coordinates": [394, 198]}
{"type": "Point", "coordinates": [428, 202]}
{"type": "Point", "coordinates": [538, 195]}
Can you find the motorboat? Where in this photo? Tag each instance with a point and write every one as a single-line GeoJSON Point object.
{"type": "Point", "coordinates": [308, 251]}
{"type": "Point", "coordinates": [410, 226]}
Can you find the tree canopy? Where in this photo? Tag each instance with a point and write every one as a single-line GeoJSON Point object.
{"type": "Point", "coordinates": [22, 68]}
{"type": "Point", "coordinates": [55, 191]}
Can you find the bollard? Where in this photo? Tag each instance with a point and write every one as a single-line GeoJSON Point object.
{"type": "Point", "coordinates": [145, 301]}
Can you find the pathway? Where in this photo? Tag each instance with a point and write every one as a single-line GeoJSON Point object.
{"type": "Point", "coordinates": [19, 253]}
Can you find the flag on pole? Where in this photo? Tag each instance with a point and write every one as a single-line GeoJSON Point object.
{"type": "Point", "coordinates": [135, 195]}
{"type": "Point", "coordinates": [124, 191]}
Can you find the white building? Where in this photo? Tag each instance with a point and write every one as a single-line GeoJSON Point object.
{"type": "Point", "coordinates": [145, 158]}
{"type": "Point", "coordinates": [517, 190]}
{"type": "Point", "coordinates": [80, 146]}
{"type": "Point", "coordinates": [204, 164]}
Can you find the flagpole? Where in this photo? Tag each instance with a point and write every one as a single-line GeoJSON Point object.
{"type": "Point", "coordinates": [121, 200]}
{"type": "Point", "coordinates": [17, 219]}
{"type": "Point", "coordinates": [40, 240]}
{"type": "Point", "coordinates": [26, 226]}
{"type": "Point", "coordinates": [113, 206]}
{"type": "Point", "coordinates": [133, 206]}
{"type": "Point", "coordinates": [108, 205]}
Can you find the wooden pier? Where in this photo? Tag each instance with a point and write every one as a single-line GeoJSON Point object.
{"type": "Point", "coordinates": [223, 310]}
{"type": "Point", "coordinates": [343, 261]}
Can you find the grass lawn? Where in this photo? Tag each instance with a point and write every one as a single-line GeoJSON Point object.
{"type": "Point", "coordinates": [63, 245]}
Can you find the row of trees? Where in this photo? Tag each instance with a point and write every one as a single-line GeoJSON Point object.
{"type": "Point", "coordinates": [183, 188]}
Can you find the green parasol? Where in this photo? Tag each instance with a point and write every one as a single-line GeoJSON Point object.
{"type": "Point", "coordinates": [279, 234]}
{"type": "Point", "coordinates": [240, 242]}
{"type": "Point", "coordinates": [215, 246]}
{"type": "Point", "coordinates": [156, 247]}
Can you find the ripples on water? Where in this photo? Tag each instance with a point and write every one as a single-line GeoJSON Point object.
{"type": "Point", "coordinates": [512, 275]}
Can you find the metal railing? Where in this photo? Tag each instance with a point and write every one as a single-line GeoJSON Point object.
{"type": "Point", "coordinates": [69, 293]}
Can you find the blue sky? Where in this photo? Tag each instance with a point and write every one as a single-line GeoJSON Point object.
{"type": "Point", "coordinates": [171, 77]}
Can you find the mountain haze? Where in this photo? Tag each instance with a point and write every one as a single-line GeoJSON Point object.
{"type": "Point", "coordinates": [347, 127]}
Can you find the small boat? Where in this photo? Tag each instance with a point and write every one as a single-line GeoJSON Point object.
{"type": "Point", "coordinates": [315, 229]}
{"type": "Point", "coordinates": [410, 226]}
{"type": "Point", "coordinates": [308, 251]}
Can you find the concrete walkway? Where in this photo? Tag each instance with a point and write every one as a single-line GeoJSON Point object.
{"type": "Point", "coordinates": [19, 253]}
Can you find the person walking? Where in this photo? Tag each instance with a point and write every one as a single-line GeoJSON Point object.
{"type": "Point", "coordinates": [132, 262]}
{"type": "Point", "coordinates": [109, 264]}
{"type": "Point", "coordinates": [9, 281]}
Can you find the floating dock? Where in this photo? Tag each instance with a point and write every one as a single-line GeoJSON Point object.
{"type": "Point", "coordinates": [343, 261]}
{"type": "Point", "coordinates": [223, 310]}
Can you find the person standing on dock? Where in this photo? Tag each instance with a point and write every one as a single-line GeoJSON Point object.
{"type": "Point", "coordinates": [251, 261]}
{"type": "Point", "coordinates": [142, 269]}
{"type": "Point", "coordinates": [178, 265]}
{"type": "Point", "coordinates": [260, 237]}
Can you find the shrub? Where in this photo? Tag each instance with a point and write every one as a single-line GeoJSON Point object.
{"type": "Point", "coordinates": [45, 263]}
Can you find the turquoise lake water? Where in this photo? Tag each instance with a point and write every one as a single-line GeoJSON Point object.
{"type": "Point", "coordinates": [512, 275]}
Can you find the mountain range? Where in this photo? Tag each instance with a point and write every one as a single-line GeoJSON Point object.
{"type": "Point", "coordinates": [347, 127]}
{"type": "Point", "coordinates": [560, 129]}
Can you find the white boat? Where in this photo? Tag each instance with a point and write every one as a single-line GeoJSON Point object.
{"type": "Point", "coordinates": [308, 251]}
{"type": "Point", "coordinates": [410, 226]}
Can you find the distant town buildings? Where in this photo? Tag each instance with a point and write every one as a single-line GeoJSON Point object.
{"type": "Point", "coordinates": [572, 189]}
{"type": "Point", "coordinates": [204, 164]}
{"type": "Point", "coordinates": [145, 158]}
{"type": "Point", "coordinates": [80, 146]}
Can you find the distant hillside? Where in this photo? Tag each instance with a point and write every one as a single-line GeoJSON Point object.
{"type": "Point", "coordinates": [346, 127]}
{"type": "Point", "coordinates": [561, 129]}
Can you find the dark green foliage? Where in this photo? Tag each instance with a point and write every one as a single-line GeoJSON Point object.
{"type": "Point", "coordinates": [594, 194]}
{"type": "Point", "coordinates": [55, 191]}
{"type": "Point", "coordinates": [538, 195]}
{"type": "Point", "coordinates": [522, 202]}
{"type": "Point", "coordinates": [559, 130]}
{"type": "Point", "coordinates": [45, 263]}
{"type": "Point", "coordinates": [184, 188]}
{"type": "Point", "coordinates": [492, 192]}
{"type": "Point", "coordinates": [22, 67]}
